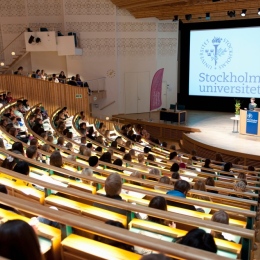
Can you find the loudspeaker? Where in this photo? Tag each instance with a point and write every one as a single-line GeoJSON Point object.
{"type": "Point", "coordinates": [42, 29]}
{"type": "Point", "coordinates": [37, 40]}
{"type": "Point", "coordinates": [31, 39]}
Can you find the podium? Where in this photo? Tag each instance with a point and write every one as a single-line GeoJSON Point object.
{"type": "Point", "coordinates": [173, 116]}
{"type": "Point", "coordinates": [249, 122]}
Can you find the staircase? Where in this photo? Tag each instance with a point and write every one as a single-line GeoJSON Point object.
{"type": "Point", "coordinates": [12, 53]}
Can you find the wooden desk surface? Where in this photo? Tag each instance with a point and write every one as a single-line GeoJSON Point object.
{"type": "Point", "coordinates": [97, 249]}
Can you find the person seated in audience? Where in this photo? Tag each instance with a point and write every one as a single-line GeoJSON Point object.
{"type": "Point", "coordinates": [102, 128]}
{"type": "Point", "coordinates": [62, 77]}
{"type": "Point", "coordinates": [77, 78]}
{"type": "Point", "coordinates": [118, 162]}
{"type": "Point", "coordinates": [22, 167]}
{"type": "Point", "coordinates": [43, 75]}
{"type": "Point", "coordinates": [127, 157]}
{"type": "Point", "coordinates": [132, 153]}
{"type": "Point", "coordinates": [72, 81]}
{"type": "Point", "coordinates": [241, 176]}
{"type": "Point", "coordinates": [147, 149]}
{"type": "Point", "coordinates": [113, 145]}
{"type": "Point", "coordinates": [38, 74]}
{"type": "Point", "coordinates": [69, 146]}
{"type": "Point", "coordinates": [9, 98]}
{"type": "Point", "coordinates": [227, 168]}
{"type": "Point", "coordinates": [83, 140]}
{"type": "Point", "coordinates": [251, 169]}
{"type": "Point", "coordinates": [44, 136]}
{"type": "Point", "coordinates": [90, 146]}
{"type": "Point", "coordinates": [119, 140]}
{"type": "Point", "coordinates": [107, 134]}
{"type": "Point", "coordinates": [46, 148]}
{"type": "Point", "coordinates": [19, 71]}
{"type": "Point", "coordinates": [218, 157]}
{"type": "Point", "coordinates": [56, 160]}
{"type": "Point", "coordinates": [173, 156]}
{"type": "Point", "coordinates": [38, 126]}
{"type": "Point", "coordinates": [122, 149]}
{"type": "Point", "coordinates": [198, 238]}
{"type": "Point", "coordinates": [2, 101]}
{"type": "Point", "coordinates": [2, 144]}
{"type": "Point", "coordinates": [164, 180]}
{"type": "Point", "coordinates": [60, 141]}
{"type": "Point", "coordinates": [220, 217]}
{"type": "Point", "coordinates": [175, 168]}
{"type": "Point", "coordinates": [31, 121]}
{"type": "Point", "coordinates": [113, 186]}
{"type": "Point", "coordinates": [176, 176]}
{"type": "Point", "coordinates": [83, 119]}
{"type": "Point", "coordinates": [131, 135]}
{"type": "Point", "coordinates": [15, 236]}
{"type": "Point", "coordinates": [22, 136]}
{"type": "Point", "coordinates": [138, 139]}
{"type": "Point", "coordinates": [34, 141]}
{"type": "Point", "coordinates": [50, 139]}
{"type": "Point", "coordinates": [240, 186]}
{"type": "Point", "coordinates": [128, 144]}
{"type": "Point", "coordinates": [207, 165]}
{"type": "Point", "coordinates": [54, 78]}
{"type": "Point", "coordinates": [32, 153]}
{"type": "Point", "coordinates": [210, 182]}
{"type": "Point", "coordinates": [91, 133]}
{"type": "Point", "coordinates": [138, 175]}
{"type": "Point", "coordinates": [72, 157]}
{"type": "Point", "coordinates": [105, 157]}
{"type": "Point", "coordinates": [114, 243]}
{"type": "Point", "coordinates": [140, 158]}
{"type": "Point", "coordinates": [193, 155]}
{"type": "Point", "coordinates": [18, 147]}
{"type": "Point", "coordinates": [93, 162]}
{"type": "Point", "coordinates": [200, 185]}
{"type": "Point", "coordinates": [156, 172]}
{"type": "Point", "coordinates": [155, 257]}
{"type": "Point", "coordinates": [87, 172]}
{"type": "Point", "coordinates": [99, 149]}
{"type": "Point", "coordinates": [181, 189]}
{"type": "Point", "coordinates": [61, 128]}
{"type": "Point", "coordinates": [100, 140]}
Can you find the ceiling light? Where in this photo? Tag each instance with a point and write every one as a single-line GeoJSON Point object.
{"type": "Point", "coordinates": [243, 12]}
{"type": "Point", "coordinates": [13, 53]}
{"type": "Point", "coordinates": [2, 64]}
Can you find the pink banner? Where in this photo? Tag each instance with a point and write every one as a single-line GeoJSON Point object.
{"type": "Point", "coordinates": [156, 90]}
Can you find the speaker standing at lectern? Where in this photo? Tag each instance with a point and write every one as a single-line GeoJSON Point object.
{"type": "Point", "coordinates": [252, 105]}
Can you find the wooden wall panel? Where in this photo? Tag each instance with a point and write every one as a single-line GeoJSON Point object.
{"type": "Point", "coordinates": [51, 95]}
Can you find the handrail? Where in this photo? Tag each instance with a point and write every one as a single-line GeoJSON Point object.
{"type": "Point", "coordinates": [12, 41]}
{"type": "Point", "coordinates": [108, 105]}
{"type": "Point", "coordinates": [102, 229]}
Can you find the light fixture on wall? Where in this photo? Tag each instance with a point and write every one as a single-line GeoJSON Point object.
{"type": "Point", "coordinates": [258, 12]}
{"type": "Point", "coordinates": [243, 13]}
{"type": "Point", "coordinates": [31, 39]}
{"type": "Point", "coordinates": [107, 118]}
{"type": "Point", "coordinates": [13, 53]}
{"type": "Point", "coordinates": [2, 64]}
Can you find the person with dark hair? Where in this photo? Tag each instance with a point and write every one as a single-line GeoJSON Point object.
{"type": "Point", "coordinates": [155, 257]}
{"type": "Point", "coordinates": [200, 186]}
{"type": "Point", "coordinates": [83, 128]}
{"type": "Point", "coordinates": [127, 157]}
{"type": "Point", "coordinates": [181, 189]}
{"type": "Point", "coordinates": [18, 241]}
{"type": "Point", "coordinates": [114, 243]}
{"type": "Point", "coordinates": [18, 146]}
{"type": "Point", "coordinates": [176, 176]}
{"type": "Point", "coordinates": [122, 149]}
{"type": "Point", "coordinates": [218, 157]}
{"type": "Point", "coordinates": [193, 155]}
{"type": "Point", "coordinates": [118, 162]}
{"type": "Point", "coordinates": [199, 239]}
{"type": "Point", "coordinates": [227, 168]}
{"type": "Point", "coordinates": [99, 149]}
{"type": "Point", "coordinates": [158, 202]}
{"type": "Point", "coordinates": [175, 167]}
{"type": "Point", "coordinates": [38, 126]}
{"type": "Point", "coordinates": [93, 161]}
{"type": "Point", "coordinates": [173, 156]}
{"type": "Point", "coordinates": [22, 167]}
{"type": "Point", "coordinates": [19, 71]}
{"type": "Point", "coordinates": [210, 182]}
{"type": "Point", "coordinates": [106, 157]}
{"type": "Point", "coordinates": [91, 134]}
{"type": "Point", "coordinates": [147, 149]}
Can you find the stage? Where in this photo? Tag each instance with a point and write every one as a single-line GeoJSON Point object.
{"type": "Point", "coordinates": [208, 133]}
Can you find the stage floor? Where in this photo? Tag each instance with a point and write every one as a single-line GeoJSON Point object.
{"type": "Point", "coordinates": [216, 130]}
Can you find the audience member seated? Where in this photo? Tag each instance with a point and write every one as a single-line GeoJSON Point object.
{"type": "Point", "coordinates": [200, 185]}
{"type": "Point", "coordinates": [176, 176]}
{"type": "Point", "coordinates": [181, 189]}
{"type": "Point", "coordinates": [18, 241]}
{"type": "Point", "coordinates": [19, 71]}
{"type": "Point", "coordinates": [210, 182]}
{"type": "Point", "coordinates": [140, 158]}
{"type": "Point", "coordinates": [193, 155]}
{"type": "Point", "coordinates": [147, 149]}
{"type": "Point", "coordinates": [127, 157]}
{"type": "Point", "coordinates": [218, 157]}
{"type": "Point", "coordinates": [38, 126]}
{"type": "Point", "coordinates": [173, 156]}
{"type": "Point", "coordinates": [62, 77]}
{"type": "Point", "coordinates": [241, 187]}
{"type": "Point", "coordinates": [105, 157]}
{"type": "Point", "coordinates": [219, 217]}
{"type": "Point", "coordinates": [91, 134]}
{"type": "Point", "coordinates": [164, 180]}
{"type": "Point", "coordinates": [22, 167]}
{"type": "Point", "coordinates": [3, 189]}
{"type": "Point", "coordinates": [227, 168]}
{"type": "Point", "coordinates": [156, 172]}
{"type": "Point", "coordinates": [199, 239]}
{"type": "Point", "coordinates": [175, 168]}
{"type": "Point", "coordinates": [94, 162]}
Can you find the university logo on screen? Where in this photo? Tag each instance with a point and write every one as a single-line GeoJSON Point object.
{"type": "Point", "coordinates": [216, 53]}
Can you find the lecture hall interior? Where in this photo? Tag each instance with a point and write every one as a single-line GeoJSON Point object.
{"type": "Point", "coordinates": [129, 129]}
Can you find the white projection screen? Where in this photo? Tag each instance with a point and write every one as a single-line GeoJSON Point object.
{"type": "Point", "coordinates": [225, 62]}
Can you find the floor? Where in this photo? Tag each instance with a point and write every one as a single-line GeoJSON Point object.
{"type": "Point", "coordinates": [216, 130]}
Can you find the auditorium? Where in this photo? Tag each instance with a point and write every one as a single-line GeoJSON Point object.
{"type": "Point", "coordinates": [129, 130]}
